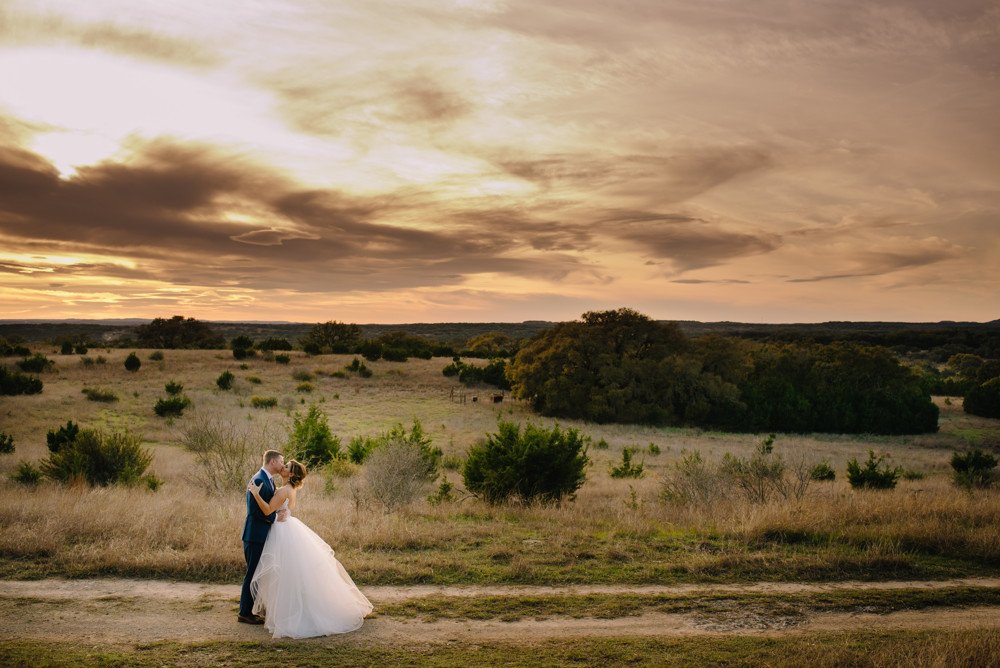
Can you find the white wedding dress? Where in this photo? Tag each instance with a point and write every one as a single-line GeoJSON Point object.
{"type": "Point", "coordinates": [301, 589]}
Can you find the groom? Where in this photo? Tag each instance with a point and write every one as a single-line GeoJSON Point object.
{"type": "Point", "coordinates": [255, 530]}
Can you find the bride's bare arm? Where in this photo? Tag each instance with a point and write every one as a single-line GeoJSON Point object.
{"type": "Point", "coordinates": [276, 500]}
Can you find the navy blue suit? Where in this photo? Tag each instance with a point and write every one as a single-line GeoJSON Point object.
{"type": "Point", "coordinates": [255, 530]}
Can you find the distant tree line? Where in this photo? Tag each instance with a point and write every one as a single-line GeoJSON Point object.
{"type": "Point", "coordinates": [621, 366]}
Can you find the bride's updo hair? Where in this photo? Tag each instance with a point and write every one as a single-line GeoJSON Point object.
{"type": "Point", "coordinates": [298, 473]}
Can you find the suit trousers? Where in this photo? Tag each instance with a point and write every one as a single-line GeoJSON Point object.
{"type": "Point", "coordinates": [252, 552]}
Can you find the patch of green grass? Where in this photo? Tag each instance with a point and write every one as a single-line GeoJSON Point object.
{"type": "Point", "coordinates": [610, 606]}
{"type": "Point", "coordinates": [976, 647]}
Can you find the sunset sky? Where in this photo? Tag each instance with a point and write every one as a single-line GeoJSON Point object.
{"type": "Point", "coordinates": [461, 160]}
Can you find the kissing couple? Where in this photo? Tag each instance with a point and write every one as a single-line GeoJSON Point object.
{"type": "Point", "coordinates": [294, 584]}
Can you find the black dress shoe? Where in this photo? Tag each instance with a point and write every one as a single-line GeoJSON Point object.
{"type": "Point", "coordinates": [252, 619]}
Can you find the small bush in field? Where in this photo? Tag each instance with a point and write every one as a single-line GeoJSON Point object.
{"type": "Point", "coordinates": [395, 474]}
{"type": "Point", "coordinates": [759, 476]}
{"type": "Point", "coordinates": [26, 474]}
{"type": "Point", "coordinates": [310, 439]}
{"type": "Point", "coordinates": [173, 389]}
{"type": "Point", "coordinates": [171, 407]}
{"type": "Point", "coordinates": [58, 438]}
{"type": "Point", "coordinates": [254, 380]}
{"type": "Point", "coordinates": [302, 375]}
{"type": "Point", "coordinates": [282, 359]}
{"type": "Point", "coordinates": [974, 469]}
{"type": "Point", "coordinates": [693, 481]}
{"type": "Point", "coordinates": [304, 387]}
{"type": "Point", "coordinates": [99, 459]}
{"type": "Point", "coordinates": [873, 474]}
{"type": "Point", "coordinates": [132, 362]}
{"type": "Point", "coordinates": [80, 349]}
{"type": "Point", "coordinates": [263, 402]}
{"type": "Point", "coordinates": [14, 382]}
{"type": "Point", "coordinates": [984, 399]}
{"type": "Point", "coordinates": [627, 469]}
{"type": "Point", "coordinates": [543, 464]}
{"type": "Point", "coordinates": [6, 444]}
{"type": "Point", "coordinates": [87, 361]}
{"type": "Point", "coordinates": [602, 445]}
{"type": "Point", "coordinates": [100, 394]}
{"type": "Point", "coordinates": [101, 359]}
{"type": "Point", "coordinates": [156, 356]}
{"type": "Point", "coordinates": [225, 380]}
{"type": "Point", "coordinates": [443, 495]}
{"type": "Point", "coordinates": [35, 364]}
{"type": "Point", "coordinates": [364, 371]}
{"type": "Point", "coordinates": [66, 349]}
{"type": "Point", "coordinates": [823, 472]}
{"type": "Point", "coordinates": [227, 451]}
{"type": "Point", "coordinates": [654, 449]}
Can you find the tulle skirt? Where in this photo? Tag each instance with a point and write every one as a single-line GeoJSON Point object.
{"type": "Point", "coordinates": [301, 588]}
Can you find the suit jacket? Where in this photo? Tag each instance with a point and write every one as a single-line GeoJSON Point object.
{"type": "Point", "coordinates": [257, 524]}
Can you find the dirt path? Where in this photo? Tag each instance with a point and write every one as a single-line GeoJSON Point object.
{"type": "Point", "coordinates": [103, 611]}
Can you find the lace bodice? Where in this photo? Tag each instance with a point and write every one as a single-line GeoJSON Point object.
{"type": "Point", "coordinates": [284, 507]}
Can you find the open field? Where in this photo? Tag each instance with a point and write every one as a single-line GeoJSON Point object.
{"type": "Point", "coordinates": [616, 533]}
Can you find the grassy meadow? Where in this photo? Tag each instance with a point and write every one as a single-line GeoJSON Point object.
{"type": "Point", "coordinates": [616, 531]}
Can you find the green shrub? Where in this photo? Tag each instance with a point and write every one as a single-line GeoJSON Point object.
{"type": "Point", "coordinates": [225, 380]}
{"type": "Point", "coordinates": [359, 448]}
{"type": "Point", "coordinates": [6, 444]}
{"type": "Point", "coordinates": [602, 445]}
{"type": "Point", "coordinates": [274, 344]}
{"type": "Point", "coordinates": [80, 349]}
{"type": "Point", "coordinates": [627, 469]}
{"type": "Point", "coordinates": [310, 439]}
{"type": "Point", "coordinates": [254, 380]}
{"type": "Point", "coordinates": [282, 359]}
{"type": "Point", "coordinates": [443, 495]}
{"type": "Point", "coordinates": [26, 474]}
{"type": "Point", "coordinates": [542, 464]}
{"type": "Point", "coordinates": [173, 389]}
{"type": "Point", "coordinates": [171, 407]}
{"type": "Point", "coordinates": [984, 399]}
{"type": "Point", "coordinates": [66, 349]}
{"type": "Point", "coordinates": [823, 472]}
{"type": "Point", "coordinates": [870, 476]}
{"type": "Point", "coordinates": [654, 449]}
{"type": "Point", "coordinates": [14, 382]}
{"type": "Point", "coordinates": [99, 458]}
{"type": "Point", "coordinates": [87, 361]}
{"type": "Point", "coordinates": [304, 387]}
{"type": "Point", "coordinates": [364, 371]}
{"type": "Point", "coordinates": [974, 469]}
{"type": "Point", "coordinates": [156, 356]}
{"type": "Point", "coordinates": [37, 363]}
{"type": "Point", "coordinates": [302, 375]}
{"type": "Point", "coordinates": [101, 359]}
{"type": "Point", "coordinates": [263, 402]}
{"type": "Point", "coordinates": [132, 362]}
{"type": "Point", "coordinates": [100, 394]}
{"type": "Point", "coordinates": [60, 437]}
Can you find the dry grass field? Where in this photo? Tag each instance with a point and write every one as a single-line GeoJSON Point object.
{"type": "Point", "coordinates": [617, 532]}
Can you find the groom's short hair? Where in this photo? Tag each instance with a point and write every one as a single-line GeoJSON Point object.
{"type": "Point", "coordinates": [270, 456]}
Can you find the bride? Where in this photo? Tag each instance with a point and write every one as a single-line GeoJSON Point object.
{"type": "Point", "coordinates": [299, 585]}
